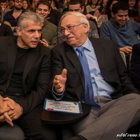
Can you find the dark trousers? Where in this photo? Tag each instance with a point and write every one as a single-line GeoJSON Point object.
{"type": "Point", "coordinates": [11, 133]}
{"type": "Point", "coordinates": [34, 128]}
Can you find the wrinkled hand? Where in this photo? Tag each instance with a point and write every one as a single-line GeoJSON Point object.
{"type": "Point", "coordinates": [4, 109]}
{"type": "Point", "coordinates": [5, 117]}
{"type": "Point", "coordinates": [126, 49]}
{"type": "Point", "coordinates": [59, 81]}
{"type": "Point", "coordinates": [8, 119]}
{"type": "Point", "coordinates": [16, 112]}
{"type": "Point", "coordinates": [9, 110]}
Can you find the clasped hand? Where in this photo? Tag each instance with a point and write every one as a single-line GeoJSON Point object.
{"type": "Point", "coordinates": [9, 110]}
{"type": "Point", "coordinates": [126, 49]}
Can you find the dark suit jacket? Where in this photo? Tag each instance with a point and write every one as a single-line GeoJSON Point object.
{"type": "Point", "coordinates": [110, 63]}
{"type": "Point", "coordinates": [135, 65]}
{"type": "Point", "coordinates": [36, 76]}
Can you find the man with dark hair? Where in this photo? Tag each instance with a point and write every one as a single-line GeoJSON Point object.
{"type": "Point", "coordinates": [12, 16]}
{"type": "Point", "coordinates": [3, 8]}
{"type": "Point", "coordinates": [77, 5]}
{"type": "Point", "coordinates": [121, 29]}
{"type": "Point", "coordinates": [74, 2]}
{"type": "Point", "coordinates": [49, 30]}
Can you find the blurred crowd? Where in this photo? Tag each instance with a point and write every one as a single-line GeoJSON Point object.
{"type": "Point", "coordinates": [97, 11]}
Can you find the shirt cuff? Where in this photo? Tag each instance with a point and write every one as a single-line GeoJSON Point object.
{"type": "Point", "coordinates": [57, 96]}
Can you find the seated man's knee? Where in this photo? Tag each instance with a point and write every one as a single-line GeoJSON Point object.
{"type": "Point", "coordinates": [134, 96]}
{"type": "Point", "coordinates": [11, 133]}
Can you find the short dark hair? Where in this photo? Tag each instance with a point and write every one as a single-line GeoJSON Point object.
{"type": "Point", "coordinates": [3, 1]}
{"type": "Point", "coordinates": [72, 2]}
{"type": "Point", "coordinates": [119, 6]}
{"type": "Point", "coordinates": [44, 2]}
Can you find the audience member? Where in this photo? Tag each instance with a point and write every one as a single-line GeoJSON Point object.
{"type": "Point", "coordinates": [92, 7]}
{"type": "Point", "coordinates": [104, 6]}
{"type": "Point", "coordinates": [11, 4]}
{"type": "Point", "coordinates": [3, 8]}
{"type": "Point", "coordinates": [132, 12]}
{"type": "Point", "coordinates": [12, 16]}
{"type": "Point", "coordinates": [25, 78]}
{"type": "Point", "coordinates": [99, 17]}
{"type": "Point", "coordinates": [58, 5]}
{"type": "Point", "coordinates": [109, 7]}
{"type": "Point", "coordinates": [121, 29]}
{"type": "Point", "coordinates": [138, 9]}
{"type": "Point", "coordinates": [49, 30]}
{"type": "Point", "coordinates": [77, 5]}
{"type": "Point", "coordinates": [100, 14]}
{"type": "Point", "coordinates": [54, 15]}
{"type": "Point", "coordinates": [34, 4]}
{"type": "Point", "coordinates": [105, 85]}
{"type": "Point", "coordinates": [26, 5]}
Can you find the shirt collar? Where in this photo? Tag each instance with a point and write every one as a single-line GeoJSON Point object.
{"type": "Point", "coordinates": [87, 45]}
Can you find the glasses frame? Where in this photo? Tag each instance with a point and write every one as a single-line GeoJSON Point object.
{"type": "Point", "coordinates": [69, 28]}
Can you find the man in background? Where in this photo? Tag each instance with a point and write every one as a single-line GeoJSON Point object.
{"type": "Point", "coordinates": [49, 30]}
{"type": "Point", "coordinates": [121, 29]}
{"type": "Point", "coordinates": [77, 5]}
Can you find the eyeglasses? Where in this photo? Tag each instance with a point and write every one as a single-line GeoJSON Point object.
{"type": "Point", "coordinates": [69, 28]}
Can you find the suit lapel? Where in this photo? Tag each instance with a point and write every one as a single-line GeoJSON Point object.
{"type": "Point", "coordinates": [100, 55]}
{"type": "Point", "coordinates": [72, 57]}
{"type": "Point", "coordinates": [31, 60]}
{"type": "Point", "coordinates": [12, 50]}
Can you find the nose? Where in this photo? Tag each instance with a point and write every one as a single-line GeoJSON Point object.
{"type": "Point", "coordinates": [124, 18]}
{"type": "Point", "coordinates": [42, 11]}
{"type": "Point", "coordinates": [37, 34]}
{"type": "Point", "coordinates": [66, 32]}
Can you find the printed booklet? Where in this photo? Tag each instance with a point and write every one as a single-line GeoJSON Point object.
{"type": "Point", "coordinates": [63, 106]}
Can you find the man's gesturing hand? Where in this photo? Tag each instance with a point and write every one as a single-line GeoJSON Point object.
{"type": "Point", "coordinates": [59, 81]}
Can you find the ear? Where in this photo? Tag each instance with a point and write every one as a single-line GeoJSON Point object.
{"type": "Point", "coordinates": [112, 15]}
{"type": "Point", "coordinates": [86, 27]}
{"type": "Point", "coordinates": [18, 31]}
{"type": "Point", "coordinates": [82, 9]}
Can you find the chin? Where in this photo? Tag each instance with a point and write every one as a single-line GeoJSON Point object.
{"type": "Point", "coordinates": [33, 46]}
{"type": "Point", "coordinates": [70, 42]}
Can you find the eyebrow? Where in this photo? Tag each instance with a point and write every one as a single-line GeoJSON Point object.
{"type": "Point", "coordinates": [74, 9]}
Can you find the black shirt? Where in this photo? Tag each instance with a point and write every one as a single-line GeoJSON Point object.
{"type": "Point", "coordinates": [15, 86]}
